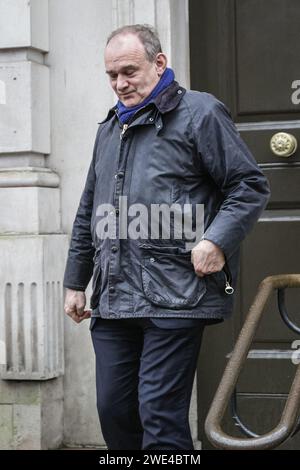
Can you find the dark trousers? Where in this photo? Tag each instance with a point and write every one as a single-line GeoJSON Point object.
{"type": "Point", "coordinates": [144, 377]}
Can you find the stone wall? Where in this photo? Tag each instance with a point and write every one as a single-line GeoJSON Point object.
{"type": "Point", "coordinates": [53, 92]}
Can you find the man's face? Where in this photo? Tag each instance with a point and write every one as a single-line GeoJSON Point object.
{"type": "Point", "coordinates": [132, 76]}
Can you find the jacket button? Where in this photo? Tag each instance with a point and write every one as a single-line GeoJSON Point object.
{"type": "Point", "coordinates": [112, 290]}
{"type": "Point", "coordinates": [117, 211]}
{"type": "Point", "coordinates": [120, 174]}
{"type": "Point", "coordinates": [114, 249]}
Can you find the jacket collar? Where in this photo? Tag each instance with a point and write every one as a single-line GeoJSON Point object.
{"type": "Point", "coordinates": [164, 102]}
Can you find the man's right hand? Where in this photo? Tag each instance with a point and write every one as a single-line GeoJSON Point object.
{"type": "Point", "coordinates": [74, 305]}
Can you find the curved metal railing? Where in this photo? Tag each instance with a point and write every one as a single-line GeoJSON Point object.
{"type": "Point", "coordinates": [288, 423]}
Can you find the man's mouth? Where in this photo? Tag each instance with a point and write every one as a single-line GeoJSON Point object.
{"type": "Point", "coordinates": [126, 94]}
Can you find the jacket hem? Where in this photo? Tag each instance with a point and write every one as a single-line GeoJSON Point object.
{"type": "Point", "coordinates": [207, 315]}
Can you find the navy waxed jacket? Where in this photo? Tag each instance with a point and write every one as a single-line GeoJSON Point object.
{"type": "Point", "coordinates": [182, 148]}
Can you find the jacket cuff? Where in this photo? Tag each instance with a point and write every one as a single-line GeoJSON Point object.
{"type": "Point", "coordinates": [226, 234]}
{"type": "Point", "coordinates": [77, 274]}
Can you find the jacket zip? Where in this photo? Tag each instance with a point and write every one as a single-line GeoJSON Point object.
{"type": "Point", "coordinates": [229, 290]}
{"type": "Point", "coordinates": [125, 126]}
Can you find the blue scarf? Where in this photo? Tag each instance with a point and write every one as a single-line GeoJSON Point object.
{"type": "Point", "coordinates": [125, 113]}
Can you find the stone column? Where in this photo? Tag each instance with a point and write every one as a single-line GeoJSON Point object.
{"type": "Point", "coordinates": [32, 245]}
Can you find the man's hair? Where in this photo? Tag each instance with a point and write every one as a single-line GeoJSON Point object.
{"type": "Point", "coordinates": [147, 35]}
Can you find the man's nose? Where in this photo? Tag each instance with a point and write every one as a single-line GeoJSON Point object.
{"type": "Point", "coordinates": [122, 84]}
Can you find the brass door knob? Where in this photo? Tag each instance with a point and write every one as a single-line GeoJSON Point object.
{"type": "Point", "coordinates": [283, 144]}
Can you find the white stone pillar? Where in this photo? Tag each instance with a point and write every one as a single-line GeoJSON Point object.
{"type": "Point", "coordinates": [32, 246]}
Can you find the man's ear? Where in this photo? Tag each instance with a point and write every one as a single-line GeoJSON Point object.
{"type": "Point", "coordinates": [161, 63]}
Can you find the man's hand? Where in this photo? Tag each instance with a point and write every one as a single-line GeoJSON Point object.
{"type": "Point", "coordinates": [207, 258]}
{"type": "Point", "coordinates": [74, 305]}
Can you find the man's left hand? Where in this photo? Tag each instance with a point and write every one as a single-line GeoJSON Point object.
{"type": "Point", "coordinates": [207, 258]}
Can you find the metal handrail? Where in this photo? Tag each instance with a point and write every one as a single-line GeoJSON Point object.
{"type": "Point", "coordinates": [233, 400]}
{"type": "Point", "coordinates": [290, 414]}
{"type": "Point", "coordinates": [283, 312]}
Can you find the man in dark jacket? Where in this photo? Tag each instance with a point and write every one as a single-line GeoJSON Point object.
{"type": "Point", "coordinates": [160, 146]}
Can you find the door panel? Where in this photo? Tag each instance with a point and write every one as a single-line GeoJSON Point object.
{"type": "Point", "coordinates": [267, 57]}
{"type": "Point", "coordinates": [267, 251]}
{"type": "Point", "coordinates": [285, 187]}
{"type": "Point", "coordinates": [246, 52]}
{"type": "Point", "coordinates": [258, 141]}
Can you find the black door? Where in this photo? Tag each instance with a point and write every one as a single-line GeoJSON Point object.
{"type": "Point", "coordinates": [247, 53]}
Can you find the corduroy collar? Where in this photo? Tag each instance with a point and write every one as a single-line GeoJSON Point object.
{"type": "Point", "coordinates": [165, 102]}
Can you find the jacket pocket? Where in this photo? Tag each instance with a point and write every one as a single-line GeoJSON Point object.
{"type": "Point", "coordinates": [168, 277]}
{"type": "Point", "coordinates": [96, 286]}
